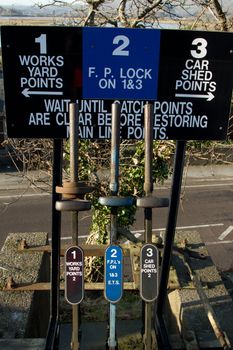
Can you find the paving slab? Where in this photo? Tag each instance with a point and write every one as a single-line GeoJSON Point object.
{"type": "Point", "coordinates": [94, 334]}
{"type": "Point", "coordinates": [23, 314]}
{"type": "Point", "coordinates": [186, 308]}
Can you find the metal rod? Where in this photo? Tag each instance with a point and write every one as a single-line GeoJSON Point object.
{"type": "Point", "coordinates": [73, 117]}
{"type": "Point", "coordinates": [170, 229]}
{"type": "Point", "coordinates": [147, 334]}
{"type": "Point", "coordinates": [162, 336]}
{"type": "Point", "coordinates": [114, 188]}
{"type": "Point", "coordinates": [171, 224]}
{"type": "Point", "coordinates": [52, 338]}
{"type": "Point", "coordinates": [148, 136]}
{"type": "Point", "coordinates": [115, 149]}
{"type": "Point", "coordinates": [148, 181]}
{"type": "Point", "coordinates": [112, 327]}
{"type": "Point", "coordinates": [148, 188]}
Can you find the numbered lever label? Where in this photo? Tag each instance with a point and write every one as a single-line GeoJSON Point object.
{"type": "Point", "coordinates": [113, 273]}
{"type": "Point", "coordinates": [74, 275]}
{"type": "Point", "coordinates": [149, 263]}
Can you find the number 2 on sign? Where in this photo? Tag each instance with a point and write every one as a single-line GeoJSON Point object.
{"type": "Point", "coordinates": [123, 42]}
{"type": "Point", "coordinates": [113, 253]}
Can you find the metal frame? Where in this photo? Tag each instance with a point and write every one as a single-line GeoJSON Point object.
{"type": "Point", "coordinates": [169, 240]}
{"type": "Point", "coordinates": [52, 339]}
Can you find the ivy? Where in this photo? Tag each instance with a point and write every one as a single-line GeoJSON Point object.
{"type": "Point", "coordinates": [94, 166]}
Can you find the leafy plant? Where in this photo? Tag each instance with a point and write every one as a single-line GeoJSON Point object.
{"type": "Point", "coordinates": [94, 165]}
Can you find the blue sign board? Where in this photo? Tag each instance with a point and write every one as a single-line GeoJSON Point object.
{"type": "Point", "coordinates": [113, 273]}
{"type": "Point", "coordinates": [120, 63]}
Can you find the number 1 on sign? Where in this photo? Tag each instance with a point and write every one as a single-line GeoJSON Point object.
{"type": "Point", "coordinates": [42, 40]}
{"type": "Point", "coordinates": [74, 254]}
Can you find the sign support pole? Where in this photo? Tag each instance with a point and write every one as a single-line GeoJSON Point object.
{"type": "Point", "coordinates": [148, 182]}
{"type": "Point", "coordinates": [114, 254]}
{"type": "Point", "coordinates": [53, 329]}
{"type": "Point", "coordinates": [73, 116]}
{"type": "Point", "coordinates": [114, 187]}
{"type": "Point", "coordinates": [148, 188]}
{"type": "Point", "coordinates": [170, 234]}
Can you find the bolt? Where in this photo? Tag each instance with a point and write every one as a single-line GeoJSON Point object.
{"type": "Point", "coordinates": [10, 283]}
{"type": "Point", "coordinates": [22, 244]}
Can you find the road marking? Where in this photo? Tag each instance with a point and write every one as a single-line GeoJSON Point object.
{"type": "Point", "coordinates": [218, 242]}
{"type": "Point", "coordinates": [209, 185]}
{"type": "Point", "coordinates": [182, 227]}
{"type": "Point", "coordinates": [26, 195]}
{"type": "Point", "coordinates": [139, 232]}
{"type": "Point", "coordinates": [198, 186]}
{"type": "Point", "coordinates": [225, 233]}
{"type": "Point", "coordinates": [157, 188]}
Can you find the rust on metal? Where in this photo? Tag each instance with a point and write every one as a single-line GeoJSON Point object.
{"type": "Point", "coordinates": [10, 285]}
{"type": "Point", "coordinates": [75, 189]}
{"type": "Point", "coordinates": [40, 286]}
{"type": "Point", "coordinates": [89, 249]}
{"type": "Point", "coordinates": [22, 244]}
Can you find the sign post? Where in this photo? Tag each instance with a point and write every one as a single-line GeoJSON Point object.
{"type": "Point", "coordinates": [113, 273]}
{"type": "Point", "coordinates": [74, 275]}
{"type": "Point", "coordinates": [113, 287]}
{"type": "Point", "coordinates": [149, 262]}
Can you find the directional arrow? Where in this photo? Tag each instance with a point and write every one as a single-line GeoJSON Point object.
{"type": "Point", "coordinates": [208, 97]}
{"type": "Point", "coordinates": [27, 93]}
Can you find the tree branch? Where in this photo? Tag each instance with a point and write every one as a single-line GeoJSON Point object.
{"type": "Point", "coordinates": [146, 12]}
{"type": "Point", "coordinates": [217, 8]}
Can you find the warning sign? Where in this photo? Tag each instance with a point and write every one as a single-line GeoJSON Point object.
{"type": "Point", "coordinates": [186, 75]}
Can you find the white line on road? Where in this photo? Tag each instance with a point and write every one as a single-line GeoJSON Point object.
{"type": "Point", "coordinates": [218, 242]}
{"type": "Point", "coordinates": [182, 227]}
{"type": "Point", "coordinates": [139, 232]}
{"type": "Point", "coordinates": [199, 186]}
{"type": "Point", "coordinates": [25, 195]}
{"type": "Point", "coordinates": [225, 233]}
{"type": "Point", "coordinates": [209, 185]}
{"type": "Point", "coordinates": [158, 188]}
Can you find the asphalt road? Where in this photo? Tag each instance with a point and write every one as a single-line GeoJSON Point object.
{"type": "Point", "coordinates": [206, 206]}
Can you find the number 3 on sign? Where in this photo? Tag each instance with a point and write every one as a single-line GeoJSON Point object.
{"type": "Point", "coordinates": [201, 45]}
{"type": "Point", "coordinates": [149, 252]}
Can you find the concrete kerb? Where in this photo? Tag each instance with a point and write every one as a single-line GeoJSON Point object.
{"type": "Point", "coordinates": [38, 181]}
{"type": "Point", "coordinates": [209, 171]}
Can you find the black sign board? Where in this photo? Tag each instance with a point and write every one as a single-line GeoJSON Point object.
{"type": "Point", "coordinates": [192, 73]}
{"type": "Point", "coordinates": [74, 275]}
{"type": "Point", "coordinates": [149, 265]}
